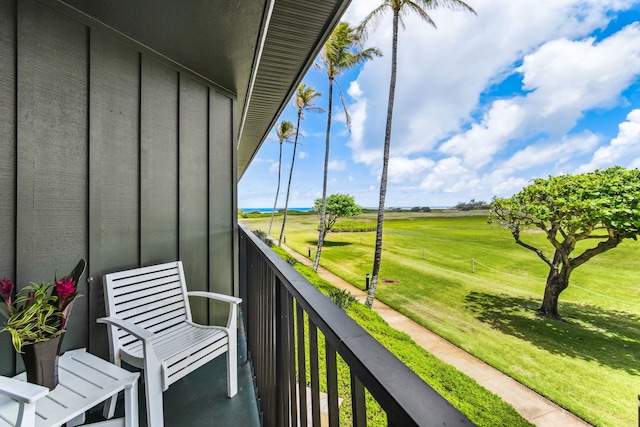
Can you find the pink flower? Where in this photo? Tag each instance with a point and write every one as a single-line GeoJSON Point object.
{"type": "Point", "coordinates": [6, 290]}
{"type": "Point", "coordinates": [65, 288]}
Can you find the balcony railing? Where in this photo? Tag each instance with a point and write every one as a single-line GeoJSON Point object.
{"type": "Point", "coordinates": [278, 306]}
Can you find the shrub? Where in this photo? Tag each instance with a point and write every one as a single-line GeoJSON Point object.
{"type": "Point", "coordinates": [342, 298]}
{"type": "Point", "coordinates": [262, 235]}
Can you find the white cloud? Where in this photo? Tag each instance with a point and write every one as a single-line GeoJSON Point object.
{"type": "Point", "coordinates": [623, 150]}
{"type": "Point", "coordinates": [441, 73]}
{"type": "Point", "coordinates": [459, 132]}
{"type": "Point", "coordinates": [402, 169]}
{"type": "Point", "coordinates": [261, 160]}
{"type": "Point", "coordinates": [478, 145]}
{"type": "Point", "coordinates": [302, 155]}
{"type": "Point", "coordinates": [358, 112]}
{"type": "Point", "coordinates": [508, 187]}
{"type": "Point", "coordinates": [565, 79]}
{"type": "Point", "coordinates": [569, 77]}
{"type": "Point", "coordinates": [337, 165]}
{"type": "Point", "coordinates": [550, 153]}
{"type": "Point", "coordinates": [445, 175]}
{"type": "Point", "coordinates": [273, 169]}
{"type": "Point", "coordinates": [354, 90]}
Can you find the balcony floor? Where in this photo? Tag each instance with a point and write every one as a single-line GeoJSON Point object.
{"type": "Point", "coordinates": [200, 398]}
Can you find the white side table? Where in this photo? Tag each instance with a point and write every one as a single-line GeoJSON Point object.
{"type": "Point", "coordinates": [85, 380]}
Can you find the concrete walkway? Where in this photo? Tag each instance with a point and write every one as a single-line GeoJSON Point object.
{"type": "Point", "coordinates": [533, 407]}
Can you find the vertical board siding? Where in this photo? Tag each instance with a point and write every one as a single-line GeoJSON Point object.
{"type": "Point", "coordinates": [109, 155]}
{"type": "Point", "coordinates": [194, 186]}
{"type": "Point", "coordinates": [52, 151]}
{"type": "Point", "coordinates": [159, 163]}
{"type": "Point", "coordinates": [114, 180]}
{"type": "Point", "coordinates": [7, 161]}
{"type": "Point", "coordinates": [221, 194]}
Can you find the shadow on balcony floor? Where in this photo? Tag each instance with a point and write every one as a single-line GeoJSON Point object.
{"type": "Point", "coordinates": [200, 398]}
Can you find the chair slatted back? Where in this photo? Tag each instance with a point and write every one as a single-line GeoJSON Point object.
{"type": "Point", "coordinates": [154, 298]}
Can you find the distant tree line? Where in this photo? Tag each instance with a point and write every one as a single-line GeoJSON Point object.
{"type": "Point", "coordinates": [258, 214]}
{"type": "Point", "coordinates": [420, 209]}
{"type": "Point", "coordinates": [472, 205]}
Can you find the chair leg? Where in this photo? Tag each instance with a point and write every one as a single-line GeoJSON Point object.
{"type": "Point", "coordinates": [153, 393]}
{"type": "Point", "coordinates": [232, 365]}
{"type": "Point", "coordinates": [131, 406]}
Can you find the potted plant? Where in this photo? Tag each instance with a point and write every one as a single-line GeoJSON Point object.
{"type": "Point", "coordinates": [36, 319]}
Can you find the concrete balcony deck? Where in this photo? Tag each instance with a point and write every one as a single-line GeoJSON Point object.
{"type": "Point", "coordinates": [200, 399]}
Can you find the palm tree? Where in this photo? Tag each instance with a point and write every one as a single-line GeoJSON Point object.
{"type": "Point", "coordinates": [342, 51]}
{"type": "Point", "coordinates": [284, 132]}
{"type": "Point", "coordinates": [304, 101]}
{"type": "Point", "coordinates": [399, 9]}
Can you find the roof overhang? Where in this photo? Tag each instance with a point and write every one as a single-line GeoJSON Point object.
{"type": "Point", "coordinates": [257, 50]}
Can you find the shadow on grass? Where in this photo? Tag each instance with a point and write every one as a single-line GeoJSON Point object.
{"type": "Point", "coordinates": [610, 338]}
{"type": "Point", "coordinates": [328, 243]}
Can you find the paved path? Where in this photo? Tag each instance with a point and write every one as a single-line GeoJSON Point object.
{"type": "Point", "coordinates": [533, 407]}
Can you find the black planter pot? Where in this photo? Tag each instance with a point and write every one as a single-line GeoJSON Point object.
{"type": "Point", "coordinates": [41, 362]}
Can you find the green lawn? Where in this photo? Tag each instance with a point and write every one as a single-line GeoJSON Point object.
{"type": "Point", "coordinates": [482, 407]}
{"type": "Point", "coordinates": [589, 363]}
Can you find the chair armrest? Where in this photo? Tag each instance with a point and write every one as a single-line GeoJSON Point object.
{"type": "Point", "coordinates": [213, 295]}
{"type": "Point", "coordinates": [233, 305]}
{"type": "Point", "coordinates": [22, 391]}
{"type": "Point", "coordinates": [135, 330]}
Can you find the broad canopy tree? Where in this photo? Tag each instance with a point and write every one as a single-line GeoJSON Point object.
{"type": "Point", "coordinates": [337, 206]}
{"type": "Point", "coordinates": [581, 215]}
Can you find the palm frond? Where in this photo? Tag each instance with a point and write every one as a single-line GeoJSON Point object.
{"type": "Point", "coordinates": [443, 4]}
{"type": "Point", "coordinates": [372, 20]}
{"type": "Point", "coordinates": [343, 50]}
{"type": "Point", "coordinates": [305, 100]}
{"type": "Point", "coordinates": [344, 107]}
{"type": "Point", "coordinates": [412, 6]}
{"type": "Point", "coordinates": [284, 131]}
{"type": "Point", "coordinates": [405, 8]}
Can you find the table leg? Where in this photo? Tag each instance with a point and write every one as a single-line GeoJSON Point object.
{"type": "Point", "coordinates": [131, 405]}
{"type": "Point", "coordinates": [77, 421]}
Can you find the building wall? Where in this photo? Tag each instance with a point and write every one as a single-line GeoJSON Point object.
{"type": "Point", "coordinates": [110, 153]}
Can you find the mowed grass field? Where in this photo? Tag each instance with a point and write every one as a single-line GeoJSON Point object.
{"type": "Point", "coordinates": [588, 363]}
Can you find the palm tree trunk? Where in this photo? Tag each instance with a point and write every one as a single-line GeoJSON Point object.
{"type": "Point", "coordinates": [275, 203]}
{"type": "Point", "coordinates": [286, 200]}
{"type": "Point", "coordinates": [323, 210]}
{"type": "Point", "coordinates": [377, 257]}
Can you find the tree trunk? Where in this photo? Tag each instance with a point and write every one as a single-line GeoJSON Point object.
{"type": "Point", "coordinates": [556, 283]}
{"type": "Point", "coordinates": [275, 203]}
{"type": "Point", "coordinates": [377, 257]}
{"type": "Point", "coordinates": [286, 200]}
{"type": "Point", "coordinates": [323, 210]}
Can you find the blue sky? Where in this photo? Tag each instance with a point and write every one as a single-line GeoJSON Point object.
{"type": "Point", "coordinates": [485, 103]}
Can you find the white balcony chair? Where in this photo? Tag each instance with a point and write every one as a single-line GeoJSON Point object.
{"type": "Point", "coordinates": [150, 327]}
